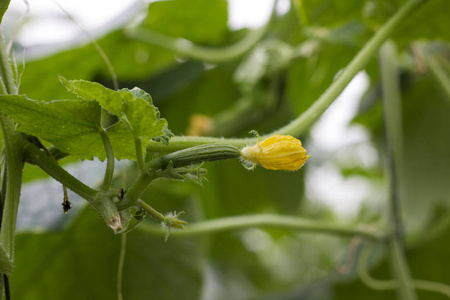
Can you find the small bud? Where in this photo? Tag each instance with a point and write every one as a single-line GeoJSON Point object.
{"type": "Point", "coordinates": [171, 220]}
{"type": "Point", "coordinates": [279, 152]}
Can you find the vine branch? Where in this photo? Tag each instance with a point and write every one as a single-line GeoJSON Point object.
{"type": "Point", "coordinates": [265, 220]}
{"type": "Point", "coordinates": [189, 49]}
{"type": "Point", "coordinates": [377, 284]}
{"type": "Point", "coordinates": [14, 163]}
{"type": "Point", "coordinates": [109, 172]}
{"type": "Point", "coordinates": [305, 120]}
{"type": "Point", "coordinates": [393, 137]}
{"type": "Point", "coordinates": [39, 158]}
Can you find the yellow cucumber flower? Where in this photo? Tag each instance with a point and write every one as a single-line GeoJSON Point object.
{"type": "Point", "coordinates": [278, 152]}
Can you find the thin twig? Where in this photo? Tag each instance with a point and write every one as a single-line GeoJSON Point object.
{"type": "Point", "coordinates": [265, 220]}
{"type": "Point", "coordinates": [123, 247]}
{"type": "Point", "coordinates": [382, 285]}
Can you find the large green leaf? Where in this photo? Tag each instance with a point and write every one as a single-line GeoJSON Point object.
{"type": "Point", "coordinates": [134, 107]}
{"type": "Point", "coordinates": [82, 262]}
{"type": "Point", "coordinates": [74, 125]}
{"type": "Point", "coordinates": [201, 21]}
{"type": "Point", "coordinates": [52, 120]}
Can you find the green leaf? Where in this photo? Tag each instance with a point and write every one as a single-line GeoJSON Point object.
{"type": "Point", "coordinates": [165, 137]}
{"type": "Point", "coordinates": [138, 93]}
{"type": "Point", "coordinates": [72, 126]}
{"type": "Point", "coordinates": [131, 218]}
{"type": "Point", "coordinates": [192, 22]}
{"type": "Point", "coordinates": [88, 146]}
{"type": "Point", "coordinates": [82, 261]}
{"type": "Point", "coordinates": [143, 117]}
{"type": "Point", "coordinates": [60, 119]}
{"type": "Point", "coordinates": [86, 90]}
{"type": "Point", "coordinates": [134, 107]}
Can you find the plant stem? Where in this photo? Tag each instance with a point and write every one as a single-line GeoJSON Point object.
{"type": "Point", "coordinates": [6, 283]}
{"type": "Point", "coordinates": [132, 196]}
{"type": "Point", "coordinates": [267, 220]}
{"type": "Point", "coordinates": [188, 49]}
{"type": "Point", "coordinates": [2, 286]}
{"type": "Point", "coordinates": [123, 249]}
{"type": "Point", "coordinates": [14, 165]}
{"type": "Point", "coordinates": [364, 275]}
{"type": "Point", "coordinates": [376, 284]}
{"type": "Point", "coordinates": [102, 201]}
{"type": "Point", "coordinates": [393, 132]}
{"type": "Point", "coordinates": [182, 158]}
{"type": "Point", "coordinates": [399, 265]}
{"type": "Point", "coordinates": [36, 156]}
{"type": "Point", "coordinates": [109, 172]}
{"type": "Point", "coordinates": [151, 211]}
{"type": "Point", "coordinates": [5, 70]}
{"type": "Point", "coordinates": [5, 262]}
{"type": "Point", "coordinates": [14, 162]}
{"type": "Point", "coordinates": [438, 71]}
{"type": "Point", "coordinates": [299, 125]}
{"type": "Point", "coordinates": [168, 221]}
{"type": "Point", "coordinates": [302, 15]}
{"type": "Point", "coordinates": [432, 286]}
{"type": "Point", "coordinates": [305, 120]}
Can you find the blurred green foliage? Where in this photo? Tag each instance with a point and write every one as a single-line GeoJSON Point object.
{"type": "Point", "coordinates": [81, 261]}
